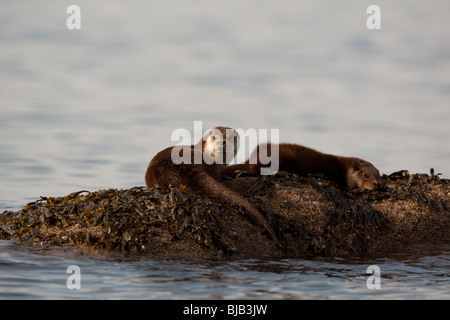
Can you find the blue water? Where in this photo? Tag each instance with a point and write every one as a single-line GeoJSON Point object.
{"type": "Point", "coordinates": [87, 109]}
{"type": "Point", "coordinates": [31, 275]}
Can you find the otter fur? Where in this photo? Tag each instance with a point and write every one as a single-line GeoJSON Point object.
{"type": "Point", "coordinates": [297, 159]}
{"type": "Point", "coordinates": [204, 178]}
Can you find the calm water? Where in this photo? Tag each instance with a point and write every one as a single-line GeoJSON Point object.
{"type": "Point", "coordinates": [26, 274]}
{"type": "Point", "coordinates": [87, 109]}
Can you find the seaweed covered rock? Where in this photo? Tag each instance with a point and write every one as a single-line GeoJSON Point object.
{"type": "Point", "coordinates": [137, 220]}
{"type": "Point", "coordinates": [314, 215]}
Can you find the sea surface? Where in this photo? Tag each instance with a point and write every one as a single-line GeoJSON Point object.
{"type": "Point", "coordinates": [87, 109]}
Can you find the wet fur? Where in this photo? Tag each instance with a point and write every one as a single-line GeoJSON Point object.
{"type": "Point", "coordinates": [297, 159]}
{"type": "Point", "coordinates": [202, 179]}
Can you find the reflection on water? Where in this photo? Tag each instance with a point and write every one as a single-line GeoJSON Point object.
{"type": "Point", "coordinates": [88, 109]}
{"type": "Point", "coordinates": [421, 273]}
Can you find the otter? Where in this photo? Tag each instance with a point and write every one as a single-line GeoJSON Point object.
{"type": "Point", "coordinates": [204, 177]}
{"type": "Point", "coordinates": [345, 171]}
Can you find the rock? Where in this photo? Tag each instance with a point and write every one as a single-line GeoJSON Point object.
{"type": "Point", "coordinates": [315, 216]}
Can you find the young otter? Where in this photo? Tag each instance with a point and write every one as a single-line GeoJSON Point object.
{"type": "Point", "coordinates": [293, 158]}
{"type": "Point", "coordinates": [204, 178]}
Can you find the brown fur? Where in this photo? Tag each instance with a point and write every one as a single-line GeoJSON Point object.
{"type": "Point", "coordinates": [202, 179]}
{"type": "Point", "coordinates": [293, 158]}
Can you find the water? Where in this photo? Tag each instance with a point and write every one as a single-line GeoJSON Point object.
{"type": "Point", "coordinates": [27, 274]}
{"type": "Point", "coordinates": [87, 109]}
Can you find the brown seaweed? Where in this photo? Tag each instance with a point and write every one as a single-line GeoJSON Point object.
{"type": "Point", "coordinates": [315, 216]}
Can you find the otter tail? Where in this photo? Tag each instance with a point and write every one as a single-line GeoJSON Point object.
{"type": "Point", "coordinates": [221, 192]}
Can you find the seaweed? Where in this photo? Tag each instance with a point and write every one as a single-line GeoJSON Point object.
{"type": "Point", "coordinates": [315, 216]}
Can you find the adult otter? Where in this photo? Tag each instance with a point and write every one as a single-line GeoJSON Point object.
{"type": "Point", "coordinates": [203, 177]}
{"type": "Point", "coordinates": [293, 158]}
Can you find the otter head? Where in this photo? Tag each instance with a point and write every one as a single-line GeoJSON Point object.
{"type": "Point", "coordinates": [220, 145]}
{"type": "Point", "coordinates": [362, 174]}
